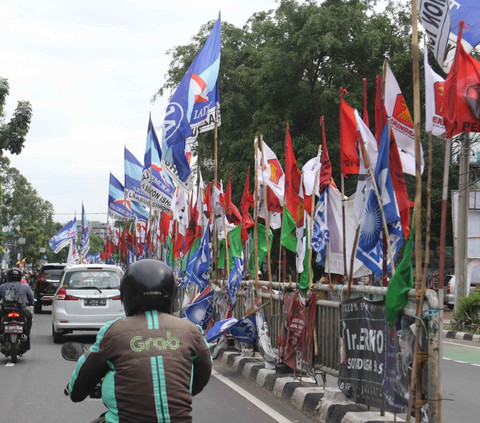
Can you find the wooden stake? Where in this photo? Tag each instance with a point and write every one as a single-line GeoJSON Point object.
{"type": "Point", "coordinates": [255, 218]}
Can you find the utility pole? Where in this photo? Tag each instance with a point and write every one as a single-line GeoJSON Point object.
{"type": "Point", "coordinates": [461, 285]}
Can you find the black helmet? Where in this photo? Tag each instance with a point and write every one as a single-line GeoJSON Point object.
{"type": "Point", "coordinates": [14, 275]}
{"type": "Point", "coordinates": [148, 285]}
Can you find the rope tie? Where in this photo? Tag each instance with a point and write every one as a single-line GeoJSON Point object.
{"type": "Point", "coordinates": [422, 356]}
{"type": "Point", "coordinates": [420, 403]}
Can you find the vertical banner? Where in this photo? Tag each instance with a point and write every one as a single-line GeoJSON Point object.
{"type": "Point", "coordinates": [362, 365]}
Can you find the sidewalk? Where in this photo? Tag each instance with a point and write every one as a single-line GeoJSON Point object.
{"type": "Point", "coordinates": [452, 334]}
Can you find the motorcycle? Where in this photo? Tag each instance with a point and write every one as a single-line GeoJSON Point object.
{"type": "Point", "coordinates": [13, 341]}
{"type": "Point", "coordinates": [72, 351]}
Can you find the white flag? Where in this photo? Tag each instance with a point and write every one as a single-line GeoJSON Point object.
{"type": "Point", "coordinates": [272, 173]}
{"type": "Point", "coordinates": [402, 123]}
{"type": "Point", "coordinates": [311, 172]}
{"type": "Point", "coordinates": [180, 210]}
{"type": "Point", "coordinates": [433, 99]}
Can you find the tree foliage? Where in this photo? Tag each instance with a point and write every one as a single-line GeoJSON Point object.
{"type": "Point", "coordinates": [288, 65]}
{"type": "Point", "coordinates": [13, 133]}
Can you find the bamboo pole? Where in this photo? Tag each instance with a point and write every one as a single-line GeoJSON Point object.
{"type": "Point", "coordinates": [215, 179]}
{"type": "Point", "coordinates": [312, 212]}
{"type": "Point", "coordinates": [344, 232]}
{"type": "Point", "coordinates": [419, 287]}
{"type": "Point", "coordinates": [227, 262]}
{"type": "Point", "coordinates": [255, 218]}
{"type": "Point", "coordinates": [267, 232]}
{"type": "Point", "coordinates": [429, 212]}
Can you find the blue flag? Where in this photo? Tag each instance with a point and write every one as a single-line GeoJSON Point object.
{"type": "Point", "coordinates": [63, 237]}
{"type": "Point", "coordinates": [234, 280]}
{"type": "Point", "coordinates": [195, 105]}
{"type": "Point", "coordinates": [243, 330]}
{"type": "Point", "coordinates": [220, 328]}
{"type": "Point", "coordinates": [133, 179]}
{"type": "Point", "coordinates": [120, 207]}
{"type": "Point", "coordinates": [320, 234]}
{"type": "Point", "coordinates": [85, 243]}
{"type": "Point", "coordinates": [198, 268]}
{"type": "Point", "coordinates": [370, 243]}
{"type": "Point", "coordinates": [200, 311]}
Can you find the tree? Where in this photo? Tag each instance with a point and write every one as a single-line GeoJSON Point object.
{"type": "Point", "coordinates": [288, 65]}
{"type": "Point", "coordinates": [13, 133]}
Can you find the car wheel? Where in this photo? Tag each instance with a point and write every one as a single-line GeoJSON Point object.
{"type": "Point", "coordinates": [450, 306]}
{"type": "Point", "coordinates": [37, 308]}
{"type": "Point", "coordinates": [57, 336]}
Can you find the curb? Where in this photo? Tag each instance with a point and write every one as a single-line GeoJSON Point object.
{"type": "Point", "coordinates": [328, 406]}
{"type": "Point", "coordinates": [461, 335]}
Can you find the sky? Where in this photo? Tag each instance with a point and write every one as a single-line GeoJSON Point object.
{"type": "Point", "coordinates": [89, 70]}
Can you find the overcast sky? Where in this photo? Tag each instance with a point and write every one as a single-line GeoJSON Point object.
{"type": "Point", "coordinates": [89, 70]}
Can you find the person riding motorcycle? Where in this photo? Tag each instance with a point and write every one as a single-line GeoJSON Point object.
{"type": "Point", "coordinates": [14, 276]}
{"type": "Point", "coordinates": [151, 362]}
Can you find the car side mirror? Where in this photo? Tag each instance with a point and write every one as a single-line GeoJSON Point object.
{"type": "Point", "coordinates": [72, 351]}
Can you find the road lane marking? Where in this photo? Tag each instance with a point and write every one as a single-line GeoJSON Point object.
{"type": "Point", "coordinates": [255, 401]}
{"type": "Point", "coordinates": [462, 345]}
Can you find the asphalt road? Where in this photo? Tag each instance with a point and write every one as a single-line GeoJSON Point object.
{"type": "Point", "coordinates": [32, 389]}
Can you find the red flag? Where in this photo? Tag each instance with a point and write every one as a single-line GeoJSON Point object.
{"type": "Point", "coordinates": [365, 110]}
{"type": "Point", "coordinates": [177, 240]}
{"type": "Point", "coordinates": [462, 93]}
{"type": "Point", "coordinates": [326, 170]}
{"type": "Point", "coordinates": [231, 211]}
{"type": "Point", "coordinates": [208, 200]}
{"type": "Point", "coordinates": [192, 228]}
{"type": "Point", "coordinates": [349, 161]}
{"type": "Point", "coordinates": [245, 203]}
{"type": "Point", "coordinates": [293, 176]}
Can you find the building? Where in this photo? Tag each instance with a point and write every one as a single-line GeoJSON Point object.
{"type": "Point", "coordinates": [94, 227]}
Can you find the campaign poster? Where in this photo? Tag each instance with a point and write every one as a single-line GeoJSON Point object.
{"type": "Point", "coordinates": [363, 352]}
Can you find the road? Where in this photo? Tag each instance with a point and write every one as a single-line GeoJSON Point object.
{"type": "Point", "coordinates": [32, 389]}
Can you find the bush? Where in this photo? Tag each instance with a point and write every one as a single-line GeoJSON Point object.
{"type": "Point", "coordinates": [468, 313]}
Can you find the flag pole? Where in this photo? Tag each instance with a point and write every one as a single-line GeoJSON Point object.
{"type": "Point", "coordinates": [267, 231]}
{"type": "Point", "coordinates": [151, 183]}
{"type": "Point", "coordinates": [255, 218]}
{"type": "Point", "coordinates": [344, 231]}
{"type": "Point", "coordinates": [419, 286]}
{"type": "Point", "coordinates": [214, 241]}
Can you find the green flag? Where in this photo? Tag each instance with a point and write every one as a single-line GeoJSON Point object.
{"type": "Point", "coordinates": [400, 284]}
{"type": "Point", "coordinates": [289, 237]}
{"type": "Point", "coordinates": [262, 249]}
{"type": "Point", "coordinates": [234, 249]}
{"type": "Point", "coordinates": [170, 251]}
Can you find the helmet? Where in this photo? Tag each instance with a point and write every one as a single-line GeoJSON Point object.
{"type": "Point", "coordinates": [14, 275]}
{"type": "Point", "coordinates": [148, 285]}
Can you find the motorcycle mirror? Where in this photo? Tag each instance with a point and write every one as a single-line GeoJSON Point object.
{"type": "Point", "coordinates": [72, 351]}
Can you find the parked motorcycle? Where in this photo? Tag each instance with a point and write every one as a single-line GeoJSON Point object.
{"type": "Point", "coordinates": [13, 341]}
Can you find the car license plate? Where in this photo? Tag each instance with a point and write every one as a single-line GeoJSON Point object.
{"type": "Point", "coordinates": [96, 302]}
{"type": "Point", "coordinates": [13, 329]}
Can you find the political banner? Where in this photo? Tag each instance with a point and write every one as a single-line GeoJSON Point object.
{"type": "Point", "coordinates": [362, 356]}
{"type": "Point", "coordinates": [64, 236]}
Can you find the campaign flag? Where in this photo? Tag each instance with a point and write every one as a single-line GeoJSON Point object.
{"type": "Point", "coordinates": [320, 234]}
{"type": "Point", "coordinates": [370, 243]}
{"type": "Point", "coordinates": [85, 243]}
{"type": "Point", "coordinates": [401, 282]}
{"type": "Point", "coordinates": [262, 248]}
{"type": "Point", "coordinates": [311, 173]}
{"type": "Point", "coordinates": [155, 182]}
{"type": "Point", "coordinates": [200, 311]}
{"type": "Point", "coordinates": [326, 167]}
{"type": "Point", "coordinates": [462, 94]}
{"type": "Point", "coordinates": [245, 330]}
{"type": "Point", "coordinates": [234, 280]}
{"type": "Point", "coordinates": [133, 179]}
{"type": "Point", "coordinates": [245, 203]}
{"type": "Point", "coordinates": [441, 20]}
{"type": "Point", "coordinates": [120, 207]}
{"type": "Point", "coordinates": [198, 268]}
{"type": "Point", "coordinates": [349, 161]}
{"type": "Point", "coordinates": [231, 211]}
{"type": "Point", "coordinates": [402, 122]}
{"type": "Point", "coordinates": [434, 94]}
{"type": "Point", "coordinates": [220, 328]}
{"type": "Point", "coordinates": [63, 237]}
{"type": "Point", "coordinates": [195, 105]}
{"type": "Point", "coordinates": [73, 256]}
{"type": "Point", "coordinates": [271, 172]}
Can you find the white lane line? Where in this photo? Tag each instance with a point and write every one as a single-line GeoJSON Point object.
{"type": "Point", "coordinates": [450, 359]}
{"type": "Point", "coordinates": [9, 364]}
{"type": "Point", "coordinates": [462, 345]}
{"type": "Point", "coordinates": [255, 401]}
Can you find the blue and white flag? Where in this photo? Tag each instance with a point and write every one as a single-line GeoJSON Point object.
{"type": "Point", "coordinates": [198, 268]}
{"type": "Point", "coordinates": [245, 331]}
{"type": "Point", "coordinates": [195, 105]}
{"type": "Point", "coordinates": [85, 243]}
{"type": "Point", "coordinates": [220, 328]}
{"type": "Point", "coordinates": [370, 243]}
{"type": "Point", "coordinates": [321, 234]}
{"type": "Point", "coordinates": [120, 207]}
{"type": "Point", "coordinates": [63, 237]}
{"type": "Point", "coordinates": [234, 280]}
{"type": "Point", "coordinates": [133, 179]}
{"type": "Point", "coordinates": [153, 177]}
{"type": "Point", "coordinates": [441, 20]}
{"type": "Point", "coordinates": [200, 311]}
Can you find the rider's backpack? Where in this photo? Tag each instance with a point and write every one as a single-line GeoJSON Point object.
{"type": "Point", "coordinates": [12, 294]}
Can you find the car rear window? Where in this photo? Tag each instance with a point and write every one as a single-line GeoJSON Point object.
{"type": "Point", "coordinates": [53, 273]}
{"type": "Point", "coordinates": [103, 279]}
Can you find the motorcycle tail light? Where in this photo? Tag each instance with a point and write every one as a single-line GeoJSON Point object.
{"type": "Point", "coordinates": [13, 314]}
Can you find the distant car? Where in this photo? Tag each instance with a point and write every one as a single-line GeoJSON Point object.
{"type": "Point", "coordinates": [47, 284]}
{"type": "Point", "coordinates": [450, 291]}
{"type": "Point", "coordinates": [88, 297]}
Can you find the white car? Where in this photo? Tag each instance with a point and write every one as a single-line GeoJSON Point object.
{"type": "Point", "coordinates": [88, 296]}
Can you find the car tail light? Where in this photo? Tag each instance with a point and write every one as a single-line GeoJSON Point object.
{"type": "Point", "coordinates": [40, 279]}
{"type": "Point", "coordinates": [13, 314]}
{"type": "Point", "coordinates": [117, 298]}
{"type": "Point", "coordinates": [62, 295]}
{"type": "Point", "coordinates": [448, 289]}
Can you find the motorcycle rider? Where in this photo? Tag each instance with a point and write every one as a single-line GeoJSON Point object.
{"type": "Point", "coordinates": [152, 362]}
{"type": "Point", "coordinates": [14, 277]}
